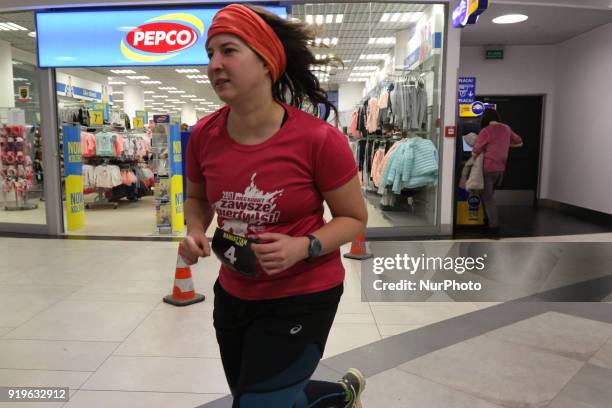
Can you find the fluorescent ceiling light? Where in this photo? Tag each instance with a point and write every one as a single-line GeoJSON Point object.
{"type": "Point", "coordinates": [160, 96]}
{"type": "Point", "coordinates": [188, 96]}
{"type": "Point", "coordinates": [117, 93]}
{"type": "Point", "coordinates": [319, 19]}
{"type": "Point", "coordinates": [116, 83]}
{"type": "Point", "coordinates": [395, 17]}
{"type": "Point", "coordinates": [17, 62]}
{"type": "Point", "coordinates": [180, 102]}
{"type": "Point", "coordinates": [203, 81]}
{"type": "Point", "coordinates": [199, 100]}
{"type": "Point", "coordinates": [385, 17]}
{"type": "Point", "coordinates": [122, 71]}
{"type": "Point", "coordinates": [381, 40]}
{"type": "Point", "coordinates": [329, 19]}
{"type": "Point", "coordinates": [149, 92]}
{"type": "Point", "coordinates": [187, 70]}
{"type": "Point", "coordinates": [339, 18]}
{"type": "Point", "coordinates": [150, 82]}
{"type": "Point", "coordinates": [172, 100]}
{"type": "Point", "coordinates": [197, 76]}
{"type": "Point", "coordinates": [117, 100]}
{"type": "Point", "coordinates": [309, 19]}
{"type": "Point", "coordinates": [176, 92]}
{"type": "Point", "coordinates": [166, 88]}
{"type": "Point", "coordinates": [137, 77]}
{"type": "Point", "coordinates": [366, 68]}
{"type": "Point", "coordinates": [32, 34]}
{"type": "Point", "coordinates": [12, 27]}
{"type": "Point", "coordinates": [148, 100]}
{"type": "Point", "coordinates": [510, 19]}
{"type": "Point", "coordinates": [158, 103]}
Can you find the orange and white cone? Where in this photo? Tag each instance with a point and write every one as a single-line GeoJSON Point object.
{"type": "Point", "coordinates": [358, 249]}
{"type": "Point", "coordinates": [183, 293]}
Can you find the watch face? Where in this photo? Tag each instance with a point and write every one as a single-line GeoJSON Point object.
{"type": "Point", "coordinates": [315, 248]}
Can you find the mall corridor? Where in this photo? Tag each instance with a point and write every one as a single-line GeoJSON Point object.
{"type": "Point", "coordinates": [88, 315]}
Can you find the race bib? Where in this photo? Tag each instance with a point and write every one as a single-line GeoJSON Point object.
{"type": "Point", "coordinates": [235, 252]}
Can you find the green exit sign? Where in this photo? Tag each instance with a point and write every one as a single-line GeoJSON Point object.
{"type": "Point", "coordinates": [494, 54]}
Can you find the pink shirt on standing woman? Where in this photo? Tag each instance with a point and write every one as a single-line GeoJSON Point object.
{"type": "Point", "coordinates": [495, 141]}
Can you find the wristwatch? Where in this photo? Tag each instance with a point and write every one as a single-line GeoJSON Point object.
{"type": "Point", "coordinates": [314, 248]}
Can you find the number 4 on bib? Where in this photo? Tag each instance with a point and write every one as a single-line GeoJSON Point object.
{"type": "Point", "coordinates": [230, 255]}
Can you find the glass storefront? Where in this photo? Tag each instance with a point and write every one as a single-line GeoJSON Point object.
{"type": "Point", "coordinates": [388, 88]}
{"type": "Point", "coordinates": [21, 149]}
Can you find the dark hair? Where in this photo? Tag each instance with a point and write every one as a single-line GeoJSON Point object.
{"type": "Point", "coordinates": [489, 115]}
{"type": "Point", "coordinates": [298, 84]}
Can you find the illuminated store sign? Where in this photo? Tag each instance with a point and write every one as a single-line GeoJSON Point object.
{"type": "Point", "coordinates": [468, 11]}
{"type": "Point", "coordinates": [125, 37]}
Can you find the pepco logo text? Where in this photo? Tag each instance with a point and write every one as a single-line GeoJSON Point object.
{"type": "Point", "coordinates": [161, 38]}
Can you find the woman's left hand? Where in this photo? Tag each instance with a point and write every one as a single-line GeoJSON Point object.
{"type": "Point", "coordinates": [280, 251]}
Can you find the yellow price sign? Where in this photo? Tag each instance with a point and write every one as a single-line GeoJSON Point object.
{"type": "Point", "coordinates": [138, 123]}
{"type": "Point", "coordinates": [96, 117]}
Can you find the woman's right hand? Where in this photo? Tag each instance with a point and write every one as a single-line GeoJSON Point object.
{"type": "Point", "coordinates": [194, 246]}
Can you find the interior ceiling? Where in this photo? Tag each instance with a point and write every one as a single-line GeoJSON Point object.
{"type": "Point", "coordinates": [546, 25]}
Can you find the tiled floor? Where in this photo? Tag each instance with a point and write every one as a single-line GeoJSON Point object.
{"type": "Point", "coordinates": [88, 315]}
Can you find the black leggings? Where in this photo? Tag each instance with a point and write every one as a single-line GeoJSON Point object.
{"type": "Point", "coordinates": [271, 348]}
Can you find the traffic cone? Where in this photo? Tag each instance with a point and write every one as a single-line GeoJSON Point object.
{"type": "Point", "coordinates": [358, 249]}
{"type": "Point", "coordinates": [183, 293]}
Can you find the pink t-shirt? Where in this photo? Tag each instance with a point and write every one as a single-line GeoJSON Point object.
{"type": "Point", "coordinates": [495, 141]}
{"type": "Point", "coordinates": [273, 186]}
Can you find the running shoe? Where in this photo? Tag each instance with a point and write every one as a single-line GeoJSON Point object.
{"type": "Point", "coordinates": [354, 382]}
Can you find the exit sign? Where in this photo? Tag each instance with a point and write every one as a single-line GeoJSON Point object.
{"type": "Point", "coordinates": [494, 54]}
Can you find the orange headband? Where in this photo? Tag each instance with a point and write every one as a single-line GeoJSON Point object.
{"type": "Point", "coordinates": [245, 23]}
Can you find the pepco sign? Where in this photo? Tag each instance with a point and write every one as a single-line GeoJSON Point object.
{"type": "Point", "coordinates": [130, 36]}
{"type": "Point", "coordinates": [161, 38]}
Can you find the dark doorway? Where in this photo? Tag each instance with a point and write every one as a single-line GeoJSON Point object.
{"type": "Point", "coordinates": [524, 115]}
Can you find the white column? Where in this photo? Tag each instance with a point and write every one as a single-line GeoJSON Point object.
{"type": "Point", "coordinates": [7, 86]}
{"type": "Point", "coordinates": [133, 100]}
{"type": "Point", "coordinates": [188, 115]}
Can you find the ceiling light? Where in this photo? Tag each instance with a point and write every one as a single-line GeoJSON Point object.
{"type": "Point", "coordinates": [339, 18]}
{"type": "Point", "coordinates": [187, 70]}
{"type": "Point", "coordinates": [180, 102]}
{"type": "Point", "coordinates": [148, 100]}
{"type": "Point", "coordinates": [385, 17]}
{"type": "Point", "coordinates": [16, 62]}
{"type": "Point", "coordinates": [32, 34]}
{"type": "Point", "coordinates": [117, 93]}
{"type": "Point", "coordinates": [188, 96]}
{"type": "Point", "coordinates": [137, 77]}
{"type": "Point", "coordinates": [166, 88]}
{"type": "Point", "coordinates": [510, 19]}
{"type": "Point", "coordinates": [366, 68]}
{"type": "Point", "coordinates": [160, 96]}
{"type": "Point", "coordinates": [319, 19]}
{"type": "Point", "coordinates": [395, 17]}
{"type": "Point", "coordinates": [203, 81]}
{"type": "Point", "coordinates": [309, 19]}
{"type": "Point", "coordinates": [199, 100]}
{"type": "Point", "coordinates": [150, 82]}
{"type": "Point", "coordinates": [373, 56]}
{"type": "Point", "coordinates": [158, 103]}
{"type": "Point", "coordinates": [176, 92]}
{"type": "Point", "coordinates": [334, 41]}
{"type": "Point", "coordinates": [116, 83]}
{"type": "Point", "coordinates": [197, 76]}
{"type": "Point", "coordinates": [12, 27]}
{"type": "Point", "coordinates": [329, 19]}
{"type": "Point", "coordinates": [117, 100]}
{"type": "Point", "coordinates": [20, 80]}
{"type": "Point", "coordinates": [122, 71]}
{"type": "Point", "coordinates": [172, 100]}
{"type": "Point", "coordinates": [357, 79]}
{"type": "Point", "coordinates": [149, 92]}
{"type": "Point", "coordinates": [326, 41]}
